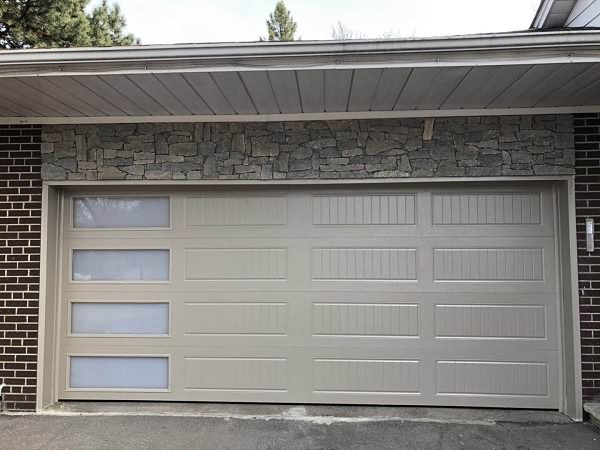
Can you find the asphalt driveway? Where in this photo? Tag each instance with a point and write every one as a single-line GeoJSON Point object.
{"type": "Point", "coordinates": [472, 430]}
{"type": "Point", "coordinates": [139, 425]}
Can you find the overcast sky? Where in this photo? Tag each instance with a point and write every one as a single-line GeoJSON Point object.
{"type": "Point", "coordinates": [187, 21]}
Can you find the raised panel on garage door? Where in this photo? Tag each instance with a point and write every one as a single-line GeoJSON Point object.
{"type": "Point", "coordinates": [434, 294]}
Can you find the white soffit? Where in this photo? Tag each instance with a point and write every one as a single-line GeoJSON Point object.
{"type": "Point", "coordinates": [512, 73]}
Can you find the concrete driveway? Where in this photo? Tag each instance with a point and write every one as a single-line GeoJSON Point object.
{"type": "Point", "coordinates": [297, 428]}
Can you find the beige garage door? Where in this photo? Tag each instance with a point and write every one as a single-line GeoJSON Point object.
{"type": "Point", "coordinates": [427, 294]}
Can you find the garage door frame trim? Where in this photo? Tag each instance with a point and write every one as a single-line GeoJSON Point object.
{"type": "Point", "coordinates": [564, 188]}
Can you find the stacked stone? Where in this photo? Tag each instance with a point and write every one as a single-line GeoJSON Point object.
{"type": "Point", "coordinates": [385, 148]}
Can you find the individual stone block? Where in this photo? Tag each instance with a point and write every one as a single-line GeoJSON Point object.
{"type": "Point", "coordinates": [52, 172]}
{"type": "Point", "coordinates": [158, 174]}
{"type": "Point", "coordinates": [282, 162]}
{"type": "Point", "coordinates": [238, 143]}
{"type": "Point", "coordinates": [264, 148]}
{"type": "Point", "coordinates": [134, 170]}
{"type": "Point", "coordinates": [142, 158]}
{"type": "Point", "coordinates": [247, 169]}
{"type": "Point", "coordinates": [111, 173]}
{"type": "Point", "coordinates": [299, 164]}
{"type": "Point", "coordinates": [210, 167]}
{"type": "Point", "coordinates": [375, 146]}
{"type": "Point", "coordinates": [183, 149]}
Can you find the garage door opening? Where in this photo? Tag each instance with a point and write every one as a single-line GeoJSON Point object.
{"type": "Point", "coordinates": [418, 294]}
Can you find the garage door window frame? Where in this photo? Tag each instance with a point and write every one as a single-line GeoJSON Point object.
{"type": "Point", "coordinates": [166, 356]}
{"type": "Point", "coordinates": [158, 248]}
{"type": "Point", "coordinates": [140, 195]}
{"type": "Point", "coordinates": [69, 314]}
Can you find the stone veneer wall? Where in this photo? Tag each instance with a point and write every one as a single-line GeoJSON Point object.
{"type": "Point", "coordinates": [386, 148]}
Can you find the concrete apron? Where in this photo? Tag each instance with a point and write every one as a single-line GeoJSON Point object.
{"type": "Point", "coordinates": [316, 414]}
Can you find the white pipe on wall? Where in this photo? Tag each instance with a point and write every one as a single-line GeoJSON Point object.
{"type": "Point", "coordinates": [2, 386]}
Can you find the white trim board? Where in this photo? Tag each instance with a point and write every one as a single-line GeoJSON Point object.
{"type": "Point", "coordinates": [303, 182]}
{"type": "Point", "coordinates": [302, 116]}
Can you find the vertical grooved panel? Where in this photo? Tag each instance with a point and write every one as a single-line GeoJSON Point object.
{"type": "Point", "coordinates": [369, 319]}
{"type": "Point", "coordinates": [489, 264]}
{"type": "Point", "coordinates": [492, 378]}
{"type": "Point", "coordinates": [366, 375]}
{"type": "Point", "coordinates": [364, 209]}
{"type": "Point", "coordinates": [364, 264]}
{"type": "Point", "coordinates": [490, 321]}
{"type": "Point", "coordinates": [486, 209]}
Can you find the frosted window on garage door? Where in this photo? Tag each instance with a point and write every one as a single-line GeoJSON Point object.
{"type": "Point", "coordinates": [120, 318]}
{"type": "Point", "coordinates": [120, 265]}
{"type": "Point", "coordinates": [119, 372]}
{"type": "Point", "coordinates": [113, 212]}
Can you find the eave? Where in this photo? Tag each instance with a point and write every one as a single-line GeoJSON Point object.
{"type": "Point", "coordinates": [512, 73]}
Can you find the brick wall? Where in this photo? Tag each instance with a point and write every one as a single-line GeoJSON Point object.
{"type": "Point", "coordinates": [587, 147]}
{"type": "Point", "coordinates": [20, 211]}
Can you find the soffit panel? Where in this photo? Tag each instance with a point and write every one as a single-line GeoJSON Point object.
{"type": "Point", "coordinates": [274, 92]}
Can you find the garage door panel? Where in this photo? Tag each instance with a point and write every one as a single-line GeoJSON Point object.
{"type": "Point", "coordinates": [493, 212]}
{"type": "Point", "coordinates": [236, 263]}
{"type": "Point", "coordinates": [493, 378]}
{"type": "Point", "coordinates": [363, 209]}
{"type": "Point", "coordinates": [382, 295]}
{"type": "Point", "coordinates": [491, 321]}
{"type": "Point", "coordinates": [340, 263]}
{"type": "Point", "coordinates": [365, 319]}
{"type": "Point", "coordinates": [248, 374]}
{"type": "Point", "coordinates": [370, 398]}
{"type": "Point", "coordinates": [489, 264]}
{"type": "Point", "coordinates": [318, 347]}
{"type": "Point", "coordinates": [366, 375]}
{"type": "Point", "coordinates": [236, 318]}
{"type": "Point", "coordinates": [235, 210]}
{"type": "Point", "coordinates": [487, 208]}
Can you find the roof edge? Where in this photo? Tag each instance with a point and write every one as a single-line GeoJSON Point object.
{"type": "Point", "coordinates": [253, 51]}
{"type": "Point", "coordinates": [490, 49]}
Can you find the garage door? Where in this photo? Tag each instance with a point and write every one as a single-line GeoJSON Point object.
{"type": "Point", "coordinates": [431, 294]}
